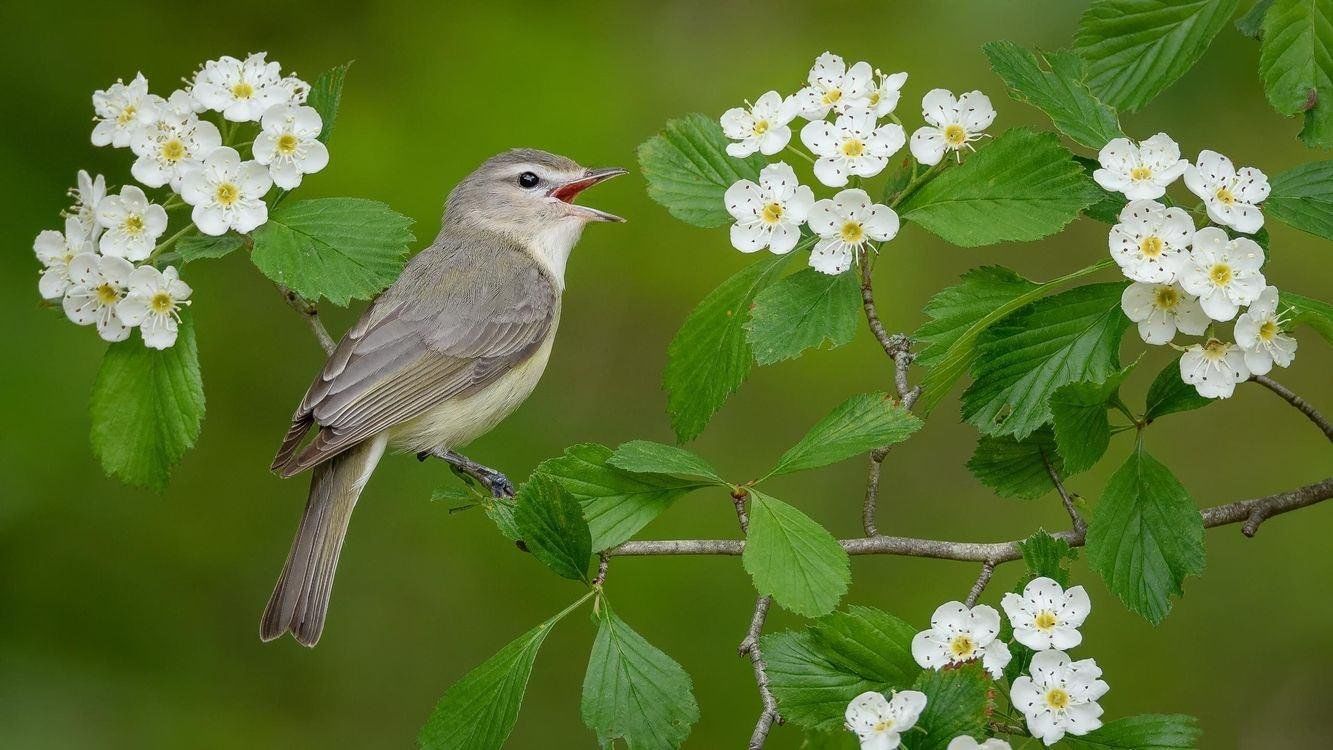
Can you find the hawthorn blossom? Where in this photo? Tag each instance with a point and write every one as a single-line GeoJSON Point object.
{"type": "Point", "coordinates": [1060, 697]}
{"type": "Point", "coordinates": [1046, 615]}
{"type": "Point", "coordinates": [132, 224]}
{"type": "Point", "coordinates": [1214, 368]}
{"type": "Point", "coordinates": [289, 144]}
{"type": "Point", "coordinates": [227, 193]}
{"type": "Point", "coordinates": [1223, 273]}
{"type": "Point", "coordinates": [764, 127]}
{"type": "Point", "coordinates": [1161, 310]}
{"type": "Point", "coordinates": [953, 124]}
{"type": "Point", "coordinates": [965, 742]}
{"type": "Point", "coordinates": [852, 145]}
{"type": "Point", "coordinates": [769, 214]}
{"type": "Point", "coordinates": [173, 143]}
{"type": "Point", "coordinates": [1231, 196]}
{"type": "Point", "coordinates": [1259, 334]}
{"type": "Point", "coordinates": [88, 194]}
{"type": "Point", "coordinates": [1140, 171]}
{"type": "Point", "coordinates": [879, 723]}
{"type": "Point", "coordinates": [958, 634]}
{"type": "Point", "coordinates": [884, 94]}
{"type": "Point", "coordinates": [833, 87]}
{"type": "Point", "coordinates": [1151, 241]}
{"type": "Point", "coordinates": [56, 250]}
{"type": "Point", "coordinates": [846, 223]}
{"type": "Point", "coordinates": [153, 303]}
{"type": "Point", "coordinates": [97, 285]}
{"type": "Point", "coordinates": [121, 110]}
{"type": "Point", "coordinates": [242, 90]}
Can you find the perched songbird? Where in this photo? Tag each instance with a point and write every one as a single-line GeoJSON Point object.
{"type": "Point", "coordinates": [440, 358]}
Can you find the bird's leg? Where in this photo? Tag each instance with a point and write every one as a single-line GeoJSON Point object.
{"type": "Point", "coordinates": [498, 484]}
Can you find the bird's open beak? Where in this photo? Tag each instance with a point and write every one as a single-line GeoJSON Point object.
{"type": "Point", "coordinates": [570, 190]}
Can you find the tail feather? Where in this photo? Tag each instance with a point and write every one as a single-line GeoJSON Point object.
{"type": "Point", "coordinates": [300, 600]}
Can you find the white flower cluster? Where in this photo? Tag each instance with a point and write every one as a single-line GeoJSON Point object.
{"type": "Point", "coordinates": [90, 266]}
{"type": "Point", "coordinates": [854, 145]}
{"type": "Point", "coordinates": [1188, 279]}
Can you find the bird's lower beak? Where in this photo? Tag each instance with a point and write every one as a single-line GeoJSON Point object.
{"type": "Point", "coordinates": [569, 191]}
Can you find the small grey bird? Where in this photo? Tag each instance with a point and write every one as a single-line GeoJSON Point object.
{"type": "Point", "coordinates": [441, 357]}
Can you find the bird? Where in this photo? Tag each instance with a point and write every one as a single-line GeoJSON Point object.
{"type": "Point", "coordinates": [438, 359]}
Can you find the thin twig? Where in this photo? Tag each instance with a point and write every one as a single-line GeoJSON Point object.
{"type": "Point", "coordinates": [1301, 404]}
{"type": "Point", "coordinates": [871, 505]}
{"type": "Point", "coordinates": [311, 315]}
{"type": "Point", "coordinates": [769, 715]}
{"type": "Point", "coordinates": [987, 570]}
{"type": "Point", "coordinates": [1077, 520]}
{"type": "Point", "coordinates": [604, 562]}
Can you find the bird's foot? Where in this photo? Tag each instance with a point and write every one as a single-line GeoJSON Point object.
{"type": "Point", "coordinates": [495, 482]}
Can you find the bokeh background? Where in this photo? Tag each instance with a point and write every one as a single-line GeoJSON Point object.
{"type": "Point", "coordinates": [128, 619]}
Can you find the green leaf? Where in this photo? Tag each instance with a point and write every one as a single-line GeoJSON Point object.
{"type": "Point", "coordinates": [688, 170]}
{"type": "Point", "coordinates": [1296, 64]}
{"type": "Point", "coordinates": [647, 457]}
{"type": "Point", "coordinates": [338, 248]}
{"type": "Point", "coordinates": [501, 513]}
{"type": "Point", "coordinates": [1108, 207]}
{"type": "Point", "coordinates": [1022, 360]}
{"type": "Point", "coordinates": [1078, 415]}
{"type": "Point", "coordinates": [1136, 48]}
{"type": "Point", "coordinates": [1143, 732]}
{"type": "Point", "coordinates": [1059, 92]}
{"type": "Point", "coordinates": [1023, 186]}
{"type": "Point", "coordinates": [633, 691]}
{"type": "Point", "coordinates": [898, 178]}
{"type": "Point", "coordinates": [1047, 556]}
{"type": "Point", "coordinates": [478, 711]}
{"type": "Point", "coordinates": [709, 358]}
{"type": "Point", "coordinates": [1145, 536]}
{"type": "Point", "coordinates": [1309, 311]}
{"type": "Point", "coordinates": [552, 527]}
{"type": "Point", "coordinates": [147, 408]}
{"type": "Point", "coordinates": [616, 503]}
{"type": "Point", "coordinates": [1016, 468]}
{"type": "Point", "coordinates": [868, 642]}
{"type": "Point", "coordinates": [857, 425]}
{"type": "Point", "coordinates": [956, 701]}
{"type": "Point", "coordinates": [1303, 198]}
{"type": "Point", "coordinates": [1169, 394]}
{"type": "Point", "coordinates": [805, 310]}
{"type": "Point", "coordinates": [201, 246]}
{"type": "Point", "coordinates": [793, 559]}
{"type": "Point", "coordinates": [1252, 23]}
{"type": "Point", "coordinates": [325, 96]}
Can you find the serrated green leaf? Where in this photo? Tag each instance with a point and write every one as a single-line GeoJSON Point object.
{"type": "Point", "coordinates": [1143, 732]}
{"type": "Point", "coordinates": [1303, 198]}
{"type": "Point", "coordinates": [1109, 205]}
{"type": "Point", "coordinates": [1252, 23]}
{"type": "Point", "coordinates": [338, 248]}
{"type": "Point", "coordinates": [709, 358]}
{"type": "Point", "coordinates": [812, 691]}
{"type": "Point", "coordinates": [838, 739]}
{"type": "Point", "coordinates": [203, 247]}
{"type": "Point", "coordinates": [1078, 416]}
{"type": "Point", "coordinates": [1047, 556]}
{"type": "Point", "coordinates": [647, 457]}
{"type": "Point", "coordinates": [616, 503]}
{"type": "Point", "coordinates": [857, 425]}
{"type": "Point", "coordinates": [1136, 48]}
{"type": "Point", "coordinates": [1023, 186]}
{"type": "Point", "coordinates": [688, 170]}
{"type": "Point", "coordinates": [1023, 359]}
{"type": "Point", "coordinates": [956, 701]}
{"type": "Point", "coordinates": [634, 692]}
{"type": "Point", "coordinates": [1169, 394]}
{"type": "Point", "coordinates": [1296, 64]}
{"type": "Point", "coordinates": [147, 408]}
{"type": "Point", "coordinates": [793, 559]}
{"type": "Point", "coordinates": [1145, 536]}
{"type": "Point", "coordinates": [551, 524]}
{"type": "Point", "coordinates": [868, 642]}
{"type": "Point", "coordinates": [899, 177]}
{"type": "Point", "coordinates": [1309, 311]}
{"type": "Point", "coordinates": [1016, 468]}
{"type": "Point", "coordinates": [501, 513]}
{"type": "Point", "coordinates": [805, 310]}
{"type": "Point", "coordinates": [1060, 92]}
{"type": "Point", "coordinates": [326, 94]}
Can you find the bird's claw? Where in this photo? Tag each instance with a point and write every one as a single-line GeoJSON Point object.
{"type": "Point", "coordinates": [499, 484]}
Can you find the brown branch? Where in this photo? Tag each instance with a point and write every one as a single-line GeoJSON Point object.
{"type": "Point", "coordinates": [308, 311]}
{"type": "Point", "coordinates": [987, 570]}
{"type": "Point", "coordinates": [1301, 404]}
{"type": "Point", "coordinates": [1080, 526]}
{"type": "Point", "coordinates": [768, 715]}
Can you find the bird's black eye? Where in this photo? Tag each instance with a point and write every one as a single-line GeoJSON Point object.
{"type": "Point", "coordinates": [528, 180]}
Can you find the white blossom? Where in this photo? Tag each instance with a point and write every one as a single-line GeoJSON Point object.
{"type": "Point", "coordinates": [967, 743]}
{"type": "Point", "coordinates": [173, 143]}
{"type": "Point", "coordinates": [1214, 368]}
{"type": "Point", "coordinates": [295, 90]}
{"type": "Point", "coordinates": [132, 224]}
{"type": "Point", "coordinates": [1060, 697]}
{"type": "Point", "coordinates": [958, 634]}
{"type": "Point", "coordinates": [852, 145]}
{"type": "Point", "coordinates": [1231, 196]}
{"type": "Point", "coordinates": [1161, 310]}
{"type": "Point", "coordinates": [153, 303]}
{"type": "Point", "coordinates": [121, 108]}
{"type": "Point", "coordinates": [953, 123]}
{"type": "Point", "coordinates": [242, 90]}
{"type": "Point", "coordinates": [1151, 242]}
{"type": "Point", "coordinates": [884, 94]}
{"type": "Point", "coordinates": [846, 223]}
{"type": "Point", "coordinates": [764, 127]}
{"type": "Point", "coordinates": [1259, 334]}
{"type": "Point", "coordinates": [227, 193]}
{"type": "Point", "coordinates": [1142, 170]}
{"type": "Point", "coordinates": [879, 723]}
{"type": "Point", "coordinates": [97, 285]}
{"type": "Point", "coordinates": [833, 87]}
{"type": "Point", "coordinates": [88, 194]}
{"type": "Point", "coordinates": [1223, 273]}
{"type": "Point", "coordinates": [770, 213]}
{"type": "Point", "coordinates": [289, 144]}
{"type": "Point", "coordinates": [1046, 615]}
{"type": "Point", "coordinates": [56, 250]}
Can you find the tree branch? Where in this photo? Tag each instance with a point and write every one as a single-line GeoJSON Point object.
{"type": "Point", "coordinates": [1301, 404]}
{"type": "Point", "coordinates": [1080, 526]}
{"type": "Point", "coordinates": [308, 311]}
{"type": "Point", "coordinates": [768, 715]}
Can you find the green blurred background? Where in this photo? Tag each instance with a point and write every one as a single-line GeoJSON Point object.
{"type": "Point", "coordinates": [129, 619]}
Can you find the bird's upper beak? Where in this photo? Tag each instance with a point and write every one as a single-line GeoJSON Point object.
{"type": "Point", "coordinates": [570, 190]}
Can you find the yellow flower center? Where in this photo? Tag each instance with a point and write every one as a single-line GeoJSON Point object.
{"type": "Point", "coordinates": [1225, 195]}
{"type": "Point", "coordinates": [883, 725]}
{"type": "Point", "coordinates": [162, 303]}
{"type": "Point", "coordinates": [1139, 174]}
{"type": "Point", "coordinates": [962, 647]}
{"type": "Point", "coordinates": [127, 115]}
{"type": "Point", "coordinates": [173, 151]}
{"type": "Point", "coordinates": [242, 90]}
{"type": "Point", "coordinates": [832, 96]}
{"type": "Point", "coordinates": [1268, 330]}
{"type": "Point", "coordinates": [287, 144]}
{"type": "Point", "coordinates": [1057, 698]}
{"type": "Point", "coordinates": [874, 98]}
{"type": "Point", "coordinates": [1166, 297]}
{"type": "Point", "coordinates": [852, 233]}
{"type": "Point", "coordinates": [1215, 350]}
{"type": "Point", "coordinates": [107, 294]}
{"type": "Point", "coordinates": [133, 224]}
{"type": "Point", "coordinates": [227, 194]}
{"type": "Point", "coordinates": [1151, 246]}
{"type": "Point", "coordinates": [954, 135]}
{"type": "Point", "coordinates": [772, 213]}
{"type": "Point", "coordinates": [853, 147]}
{"type": "Point", "coordinates": [1220, 274]}
{"type": "Point", "coordinates": [760, 127]}
{"type": "Point", "coordinates": [1045, 620]}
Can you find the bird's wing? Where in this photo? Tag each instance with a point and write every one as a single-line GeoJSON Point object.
{"type": "Point", "coordinates": [458, 319]}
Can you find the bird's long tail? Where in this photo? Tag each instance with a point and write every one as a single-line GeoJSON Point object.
{"type": "Point", "coordinates": [300, 599]}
